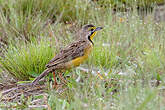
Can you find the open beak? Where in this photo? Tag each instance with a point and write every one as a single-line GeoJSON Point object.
{"type": "Point", "coordinates": [98, 28]}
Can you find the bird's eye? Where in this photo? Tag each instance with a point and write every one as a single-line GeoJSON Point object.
{"type": "Point", "coordinates": [92, 29]}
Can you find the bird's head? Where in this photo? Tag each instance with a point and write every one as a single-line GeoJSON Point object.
{"type": "Point", "coordinates": [90, 31]}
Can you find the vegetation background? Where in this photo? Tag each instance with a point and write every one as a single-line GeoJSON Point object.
{"type": "Point", "coordinates": [129, 52]}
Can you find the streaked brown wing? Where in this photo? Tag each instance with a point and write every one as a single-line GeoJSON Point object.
{"type": "Point", "coordinates": [71, 52]}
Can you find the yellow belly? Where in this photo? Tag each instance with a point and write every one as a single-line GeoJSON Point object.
{"type": "Point", "coordinates": [79, 60]}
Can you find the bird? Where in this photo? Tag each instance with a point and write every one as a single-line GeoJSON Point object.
{"type": "Point", "coordinates": [72, 55]}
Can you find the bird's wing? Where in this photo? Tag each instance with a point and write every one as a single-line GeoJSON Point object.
{"type": "Point", "coordinates": [71, 52]}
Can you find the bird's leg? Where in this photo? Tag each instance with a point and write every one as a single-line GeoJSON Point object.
{"type": "Point", "coordinates": [55, 81]}
{"type": "Point", "coordinates": [62, 78]}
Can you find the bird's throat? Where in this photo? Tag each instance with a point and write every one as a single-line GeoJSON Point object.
{"type": "Point", "coordinates": [90, 40]}
{"type": "Point", "coordinates": [91, 36]}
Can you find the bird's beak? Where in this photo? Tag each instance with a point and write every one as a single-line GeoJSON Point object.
{"type": "Point", "coordinates": [98, 28]}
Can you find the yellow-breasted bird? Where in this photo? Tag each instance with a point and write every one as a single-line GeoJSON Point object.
{"type": "Point", "coordinates": [73, 55]}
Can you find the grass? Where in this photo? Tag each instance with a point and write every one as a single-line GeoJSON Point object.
{"type": "Point", "coordinates": [22, 62]}
{"type": "Point", "coordinates": [129, 54]}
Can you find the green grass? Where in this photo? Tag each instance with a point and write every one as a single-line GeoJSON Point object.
{"type": "Point", "coordinates": [129, 53]}
{"type": "Point", "coordinates": [27, 60]}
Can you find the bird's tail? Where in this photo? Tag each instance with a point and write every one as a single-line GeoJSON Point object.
{"type": "Point", "coordinates": [44, 73]}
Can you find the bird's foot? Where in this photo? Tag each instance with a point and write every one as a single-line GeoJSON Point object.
{"type": "Point", "coordinates": [64, 81]}
{"type": "Point", "coordinates": [57, 86]}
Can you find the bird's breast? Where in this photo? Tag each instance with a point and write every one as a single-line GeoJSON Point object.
{"type": "Point", "coordinates": [77, 61]}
